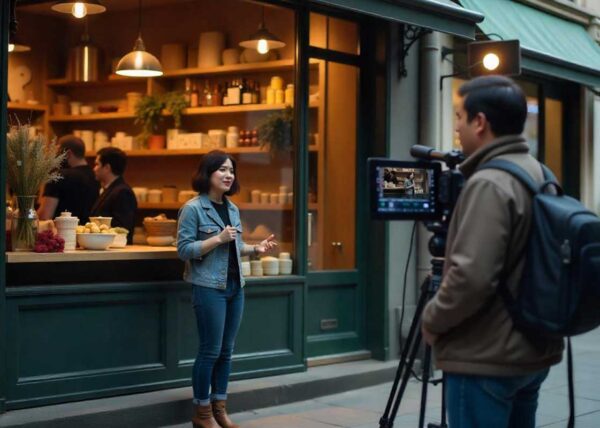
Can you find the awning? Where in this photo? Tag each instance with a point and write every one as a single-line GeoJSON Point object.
{"type": "Point", "coordinates": [438, 15]}
{"type": "Point", "coordinates": [550, 45]}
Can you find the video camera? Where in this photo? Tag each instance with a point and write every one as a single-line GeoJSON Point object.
{"type": "Point", "coordinates": [415, 190]}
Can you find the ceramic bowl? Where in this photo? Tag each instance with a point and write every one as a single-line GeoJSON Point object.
{"type": "Point", "coordinates": [120, 241]}
{"type": "Point", "coordinates": [95, 241]}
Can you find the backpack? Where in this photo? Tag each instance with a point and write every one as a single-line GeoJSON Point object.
{"type": "Point", "coordinates": [559, 292]}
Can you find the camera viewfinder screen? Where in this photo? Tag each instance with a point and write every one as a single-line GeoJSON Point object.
{"type": "Point", "coordinates": [403, 190]}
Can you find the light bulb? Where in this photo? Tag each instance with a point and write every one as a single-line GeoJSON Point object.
{"type": "Point", "coordinates": [138, 62]}
{"type": "Point", "coordinates": [263, 46]}
{"type": "Point", "coordinates": [491, 61]}
{"type": "Point", "coordinates": [79, 10]}
{"type": "Point", "coordinates": [11, 47]}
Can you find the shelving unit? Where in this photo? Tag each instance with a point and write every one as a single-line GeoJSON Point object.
{"type": "Point", "coordinates": [243, 206]}
{"type": "Point", "coordinates": [194, 152]}
{"type": "Point", "coordinates": [37, 114]}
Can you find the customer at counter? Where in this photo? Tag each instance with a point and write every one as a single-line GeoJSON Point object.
{"type": "Point", "coordinates": [77, 190]}
{"type": "Point", "coordinates": [116, 200]}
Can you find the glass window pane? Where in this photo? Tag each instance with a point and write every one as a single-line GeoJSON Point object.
{"type": "Point", "coordinates": [334, 34]}
{"type": "Point", "coordinates": [332, 166]}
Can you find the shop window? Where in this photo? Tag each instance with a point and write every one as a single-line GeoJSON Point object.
{"type": "Point", "coordinates": [239, 101]}
{"type": "Point", "coordinates": [335, 34]}
{"type": "Point", "coordinates": [332, 166]}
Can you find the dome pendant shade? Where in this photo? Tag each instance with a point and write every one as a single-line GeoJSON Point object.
{"type": "Point", "coordinates": [79, 9]}
{"type": "Point", "coordinates": [263, 40]}
{"type": "Point", "coordinates": [139, 63]}
{"type": "Point", "coordinates": [14, 45]}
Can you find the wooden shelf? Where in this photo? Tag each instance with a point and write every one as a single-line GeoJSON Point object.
{"type": "Point", "coordinates": [194, 152]}
{"type": "Point", "coordinates": [91, 117]}
{"type": "Point", "coordinates": [27, 107]}
{"type": "Point", "coordinates": [195, 111]}
{"type": "Point", "coordinates": [244, 206]}
{"type": "Point", "coordinates": [113, 79]}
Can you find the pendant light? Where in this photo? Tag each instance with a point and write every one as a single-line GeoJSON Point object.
{"type": "Point", "coordinates": [79, 9]}
{"type": "Point", "coordinates": [15, 46]}
{"type": "Point", "coordinates": [139, 63]}
{"type": "Point", "coordinates": [263, 40]}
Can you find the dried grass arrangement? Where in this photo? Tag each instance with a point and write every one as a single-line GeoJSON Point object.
{"type": "Point", "coordinates": [31, 162]}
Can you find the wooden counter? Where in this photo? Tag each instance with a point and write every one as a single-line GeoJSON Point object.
{"type": "Point", "coordinates": [131, 252]}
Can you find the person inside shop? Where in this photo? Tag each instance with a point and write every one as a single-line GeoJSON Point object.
{"type": "Point", "coordinates": [493, 370]}
{"type": "Point", "coordinates": [409, 185]}
{"type": "Point", "coordinates": [209, 241]}
{"type": "Point", "coordinates": [77, 190]}
{"type": "Point", "coordinates": [116, 199]}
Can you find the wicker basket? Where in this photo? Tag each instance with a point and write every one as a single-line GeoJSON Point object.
{"type": "Point", "coordinates": [160, 227]}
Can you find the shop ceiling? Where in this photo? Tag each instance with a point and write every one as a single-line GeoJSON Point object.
{"type": "Point", "coordinates": [439, 15]}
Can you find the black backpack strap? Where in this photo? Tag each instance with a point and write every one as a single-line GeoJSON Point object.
{"type": "Point", "coordinates": [571, 423]}
{"type": "Point", "coordinates": [516, 171]}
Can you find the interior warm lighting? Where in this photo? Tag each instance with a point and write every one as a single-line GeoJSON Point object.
{"type": "Point", "coordinates": [138, 62]}
{"type": "Point", "coordinates": [262, 47]}
{"type": "Point", "coordinates": [491, 61]}
{"type": "Point", "coordinates": [79, 10]}
{"type": "Point", "coordinates": [263, 40]}
{"type": "Point", "coordinates": [11, 47]}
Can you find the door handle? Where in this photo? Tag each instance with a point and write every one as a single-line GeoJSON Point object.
{"type": "Point", "coordinates": [309, 229]}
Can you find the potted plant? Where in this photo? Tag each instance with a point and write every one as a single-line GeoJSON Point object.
{"type": "Point", "coordinates": [175, 103]}
{"type": "Point", "coordinates": [275, 131]}
{"type": "Point", "coordinates": [31, 162]}
{"type": "Point", "coordinates": [148, 113]}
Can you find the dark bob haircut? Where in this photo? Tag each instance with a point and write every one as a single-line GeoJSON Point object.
{"type": "Point", "coordinates": [115, 157]}
{"type": "Point", "coordinates": [500, 99]}
{"type": "Point", "coordinates": [211, 162]}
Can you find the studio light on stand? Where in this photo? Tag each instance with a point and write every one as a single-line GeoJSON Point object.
{"type": "Point", "coordinates": [79, 9]}
{"type": "Point", "coordinates": [263, 40]}
{"type": "Point", "coordinates": [139, 62]}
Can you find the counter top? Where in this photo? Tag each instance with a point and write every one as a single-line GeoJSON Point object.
{"type": "Point", "coordinates": [131, 252]}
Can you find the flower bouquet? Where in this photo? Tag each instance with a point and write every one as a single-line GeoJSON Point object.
{"type": "Point", "coordinates": [31, 162]}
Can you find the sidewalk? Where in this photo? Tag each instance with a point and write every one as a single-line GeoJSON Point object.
{"type": "Point", "coordinates": [362, 408]}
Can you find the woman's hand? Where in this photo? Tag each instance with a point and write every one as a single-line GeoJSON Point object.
{"type": "Point", "coordinates": [227, 235]}
{"type": "Point", "coordinates": [266, 245]}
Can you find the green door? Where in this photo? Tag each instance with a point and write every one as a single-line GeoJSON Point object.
{"type": "Point", "coordinates": [335, 315]}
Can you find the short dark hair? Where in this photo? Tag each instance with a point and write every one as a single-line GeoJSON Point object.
{"type": "Point", "coordinates": [500, 99]}
{"type": "Point", "coordinates": [72, 143]}
{"type": "Point", "coordinates": [211, 162]}
{"type": "Point", "coordinates": [115, 157]}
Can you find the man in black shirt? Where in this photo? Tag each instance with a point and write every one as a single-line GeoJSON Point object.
{"type": "Point", "coordinates": [117, 200]}
{"type": "Point", "coordinates": [77, 190]}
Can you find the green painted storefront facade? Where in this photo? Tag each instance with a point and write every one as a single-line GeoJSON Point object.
{"type": "Point", "coordinates": [82, 330]}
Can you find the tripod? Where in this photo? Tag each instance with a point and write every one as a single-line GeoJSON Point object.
{"type": "Point", "coordinates": [428, 290]}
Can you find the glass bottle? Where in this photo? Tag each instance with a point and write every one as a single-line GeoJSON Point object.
{"type": "Point", "coordinates": [194, 97]}
{"type": "Point", "coordinates": [24, 224]}
{"type": "Point", "coordinates": [187, 94]}
{"type": "Point", "coordinates": [246, 89]}
{"type": "Point", "coordinates": [207, 97]}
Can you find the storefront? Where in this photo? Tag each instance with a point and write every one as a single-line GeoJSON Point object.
{"type": "Point", "coordinates": [87, 324]}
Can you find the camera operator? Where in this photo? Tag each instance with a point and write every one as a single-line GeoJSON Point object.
{"type": "Point", "coordinates": [493, 372]}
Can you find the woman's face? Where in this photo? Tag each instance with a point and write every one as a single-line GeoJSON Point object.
{"type": "Point", "coordinates": [222, 179]}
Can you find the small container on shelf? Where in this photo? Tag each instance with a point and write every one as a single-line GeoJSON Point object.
{"type": "Point", "coordinates": [155, 196]}
{"type": "Point", "coordinates": [169, 194]}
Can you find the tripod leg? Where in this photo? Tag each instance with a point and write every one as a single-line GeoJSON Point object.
{"type": "Point", "coordinates": [426, 369]}
{"type": "Point", "coordinates": [406, 376]}
{"type": "Point", "coordinates": [402, 366]}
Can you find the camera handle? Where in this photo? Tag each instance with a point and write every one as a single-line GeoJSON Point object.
{"type": "Point", "coordinates": [413, 342]}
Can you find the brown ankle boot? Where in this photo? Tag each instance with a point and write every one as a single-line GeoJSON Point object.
{"type": "Point", "coordinates": [203, 417]}
{"type": "Point", "coordinates": [221, 416]}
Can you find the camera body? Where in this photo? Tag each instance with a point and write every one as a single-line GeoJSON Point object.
{"type": "Point", "coordinates": [415, 190]}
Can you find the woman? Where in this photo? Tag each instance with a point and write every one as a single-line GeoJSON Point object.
{"type": "Point", "coordinates": [209, 240]}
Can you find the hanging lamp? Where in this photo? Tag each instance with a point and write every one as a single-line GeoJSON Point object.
{"type": "Point", "coordinates": [139, 63]}
{"type": "Point", "coordinates": [79, 9]}
{"type": "Point", "coordinates": [15, 46]}
{"type": "Point", "coordinates": [263, 40]}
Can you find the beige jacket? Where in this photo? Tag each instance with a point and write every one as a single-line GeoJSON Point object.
{"type": "Point", "coordinates": [488, 230]}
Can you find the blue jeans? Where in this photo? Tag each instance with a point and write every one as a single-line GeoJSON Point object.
{"type": "Point", "coordinates": [218, 316]}
{"type": "Point", "coordinates": [493, 402]}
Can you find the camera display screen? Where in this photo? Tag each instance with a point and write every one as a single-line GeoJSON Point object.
{"type": "Point", "coordinates": [401, 190]}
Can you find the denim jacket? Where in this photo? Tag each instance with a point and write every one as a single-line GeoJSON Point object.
{"type": "Point", "coordinates": [198, 221]}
